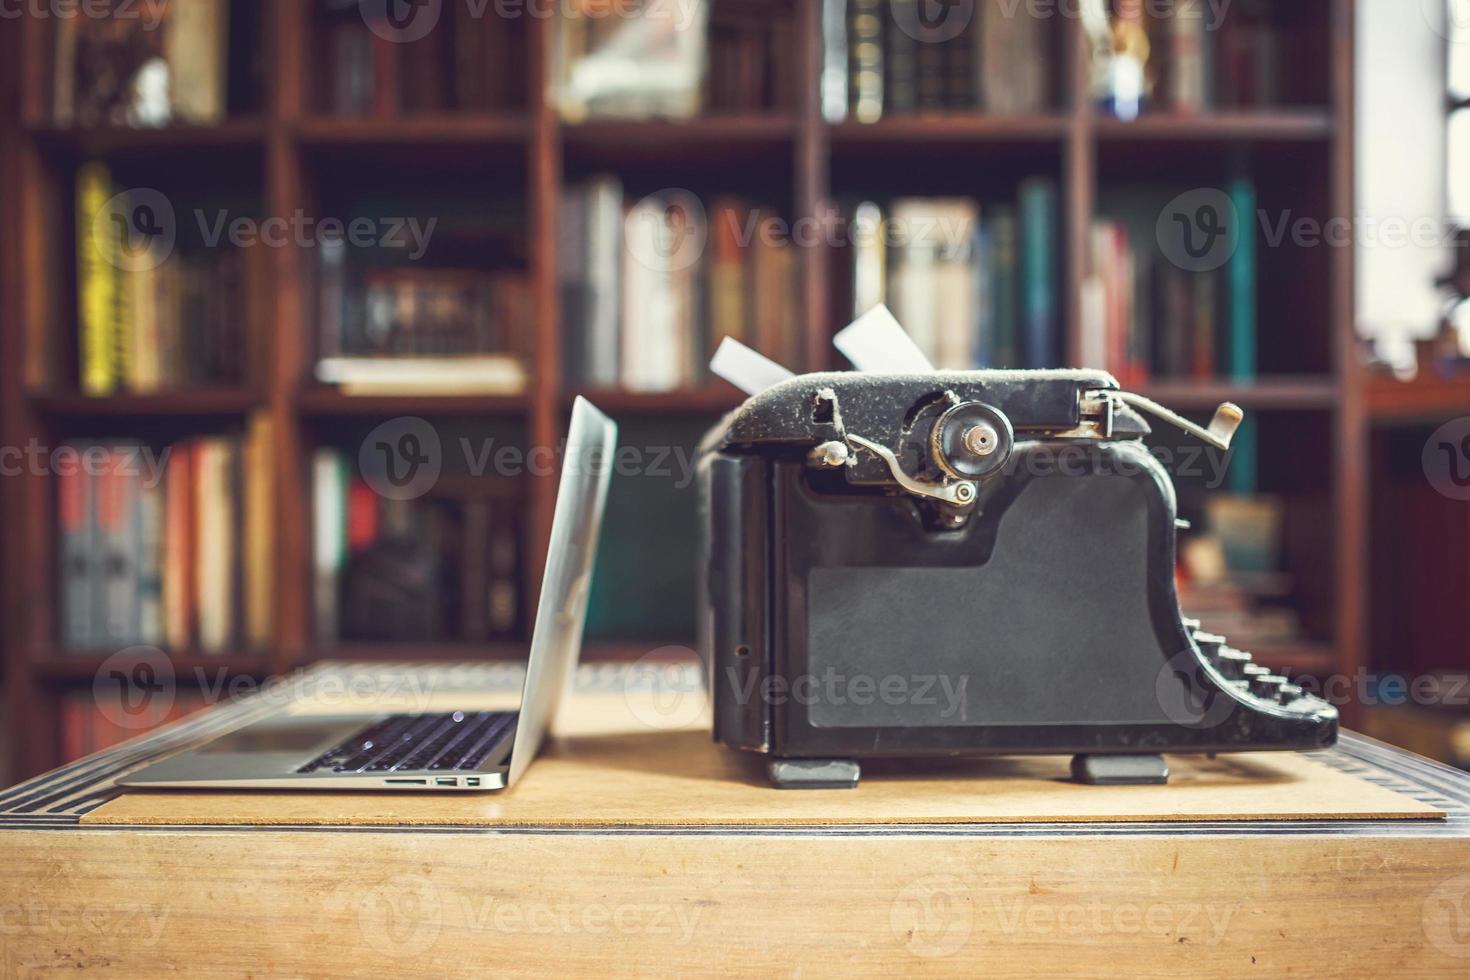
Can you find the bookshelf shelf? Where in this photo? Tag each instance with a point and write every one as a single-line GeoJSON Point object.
{"type": "Point", "coordinates": [71, 667]}
{"type": "Point", "coordinates": [109, 140]}
{"type": "Point", "coordinates": [1301, 392]}
{"type": "Point", "coordinates": [1425, 400]}
{"type": "Point", "coordinates": [459, 129]}
{"type": "Point", "coordinates": [321, 402]}
{"type": "Point", "coordinates": [960, 130]}
{"type": "Point", "coordinates": [712, 399]}
{"type": "Point", "coordinates": [709, 139]}
{"type": "Point", "coordinates": [407, 652]}
{"type": "Point", "coordinates": [1273, 125]}
{"type": "Point", "coordinates": [213, 404]}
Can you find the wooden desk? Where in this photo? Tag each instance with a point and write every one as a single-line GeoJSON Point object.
{"type": "Point", "coordinates": [338, 885]}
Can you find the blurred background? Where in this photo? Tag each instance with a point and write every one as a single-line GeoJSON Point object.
{"type": "Point", "coordinates": [297, 294]}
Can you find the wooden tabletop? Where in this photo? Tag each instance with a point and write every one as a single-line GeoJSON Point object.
{"type": "Point", "coordinates": [1352, 861]}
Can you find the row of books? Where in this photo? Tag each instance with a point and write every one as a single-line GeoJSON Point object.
{"type": "Point", "coordinates": [471, 60]}
{"type": "Point", "coordinates": [1188, 56]}
{"type": "Point", "coordinates": [169, 548]}
{"type": "Point", "coordinates": [404, 329]}
{"type": "Point", "coordinates": [896, 57]}
{"type": "Point", "coordinates": [973, 285]}
{"type": "Point", "coordinates": [752, 57]}
{"type": "Point", "coordinates": [436, 568]}
{"type": "Point", "coordinates": [125, 63]}
{"type": "Point", "coordinates": [150, 319]}
{"type": "Point", "coordinates": [1145, 316]}
{"type": "Point", "coordinates": [96, 719]}
{"type": "Point", "coordinates": [649, 288]}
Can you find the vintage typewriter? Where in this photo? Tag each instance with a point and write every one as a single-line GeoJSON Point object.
{"type": "Point", "coordinates": [962, 564]}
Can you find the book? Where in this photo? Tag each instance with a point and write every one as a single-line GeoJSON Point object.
{"type": "Point", "coordinates": [1012, 62]}
{"type": "Point", "coordinates": [869, 258]}
{"type": "Point", "coordinates": [834, 60]}
{"type": "Point", "coordinates": [1038, 272]}
{"type": "Point", "coordinates": [97, 275]}
{"type": "Point", "coordinates": [865, 59]}
{"type": "Point", "coordinates": [216, 585]}
{"type": "Point", "coordinates": [329, 541]}
{"type": "Point", "coordinates": [195, 49]}
{"type": "Point", "coordinates": [489, 374]}
{"type": "Point", "coordinates": [1005, 280]}
{"type": "Point", "coordinates": [1241, 272]}
{"type": "Point", "coordinates": [76, 553]}
{"type": "Point", "coordinates": [179, 551]}
{"type": "Point", "coordinates": [257, 530]}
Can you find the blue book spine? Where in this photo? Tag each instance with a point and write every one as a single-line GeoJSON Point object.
{"type": "Point", "coordinates": [1038, 271]}
{"type": "Point", "coordinates": [1242, 351]}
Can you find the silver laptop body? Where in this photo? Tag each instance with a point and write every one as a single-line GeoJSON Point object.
{"type": "Point", "coordinates": [459, 751]}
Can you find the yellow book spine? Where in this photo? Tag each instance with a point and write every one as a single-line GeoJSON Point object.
{"type": "Point", "coordinates": [97, 276]}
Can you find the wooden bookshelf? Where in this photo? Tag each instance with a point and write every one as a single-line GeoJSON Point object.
{"type": "Point", "coordinates": [291, 153]}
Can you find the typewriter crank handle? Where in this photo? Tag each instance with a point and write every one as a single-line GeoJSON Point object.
{"type": "Point", "coordinates": [1221, 430]}
{"type": "Point", "coordinates": [958, 494]}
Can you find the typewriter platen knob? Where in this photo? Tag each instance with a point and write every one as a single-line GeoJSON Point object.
{"type": "Point", "coordinates": [972, 440]}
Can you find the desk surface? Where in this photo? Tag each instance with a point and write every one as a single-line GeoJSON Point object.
{"type": "Point", "coordinates": [323, 884]}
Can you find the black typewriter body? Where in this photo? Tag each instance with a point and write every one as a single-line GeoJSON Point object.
{"type": "Point", "coordinates": [973, 563]}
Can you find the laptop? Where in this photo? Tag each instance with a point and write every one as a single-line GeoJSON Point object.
{"type": "Point", "coordinates": [444, 751]}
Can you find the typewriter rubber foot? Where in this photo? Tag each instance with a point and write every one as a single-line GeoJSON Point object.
{"type": "Point", "coordinates": [813, 773]}
{"type": "Point", "coordinates": [1120, 770]}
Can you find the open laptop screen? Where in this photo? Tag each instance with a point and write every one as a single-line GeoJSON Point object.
{"type": "Point", "coordinates": [561, 614]}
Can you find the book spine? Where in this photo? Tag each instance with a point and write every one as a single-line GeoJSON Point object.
{"type": "Point", "coordinates": [865, 66]}
{"type": "Point", "coordinates": [505, 597]}
{"type": "Point", "coordinates": [1006, 280]}
{"type": "Point", "coordinates": [329, 519]}
{"type": "Point", "coordinates": [1243, 284]}
{"type": "Point", "coordinates": [834, 60]}
{"type": "Point", "coordinates": [97, 271]}
{"type": "Point", "coordinates": [149, 562]}
{"type": "Point", "coordinates": [901, 61]}
{"type": "Point", "coordinates": [179, 550]}
{"type": "Point", "coordinates": [1038, 206]}
{"type": "Point", "coordinates": [259, 524]}
{"type": "Point", "coordinates": [75, 510]}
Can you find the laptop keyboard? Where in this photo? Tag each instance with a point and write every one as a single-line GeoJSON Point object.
{"type": "Point", "coordinates": [399, 743]}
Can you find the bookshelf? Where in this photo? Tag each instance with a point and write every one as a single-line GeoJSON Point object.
{"type": "Point", "coordinates": [289, 152]}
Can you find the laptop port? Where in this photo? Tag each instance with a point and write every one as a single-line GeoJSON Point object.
{"type": "Point", "coordinates": [406, 782]}
{"type": "Point", "coordinates": [446, 781]}
{"type": "Point", "coordinates": [472, 780]}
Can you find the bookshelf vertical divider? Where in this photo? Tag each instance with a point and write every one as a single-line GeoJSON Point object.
{"type": "Point", "coordinates": [34, 209]}
{"type": "Point", "coordinates": [284, 190]}
{"type": "Point", "coordinates": [543, 177]}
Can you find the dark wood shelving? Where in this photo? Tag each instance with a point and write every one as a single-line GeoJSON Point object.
{"type": "Point", "coordinates": [712, 399]}
{"type": "Point", "coordinates": [1421, 400]}
{"type": "Point", "coordinates": [1272, 125]}
{"type": "Point", "coordinates": [466, 129]}
{"type": "Point", "coordinates": [325, 402]}
{"type": "Point", "coordinates": [955, 129]}
{"type": "Point", "coordinates": [710, 140]}
{"type": "Point", "coordinates": [1286, 392]}
{"type": "Point", "coordinates": [69, 666]}
{"type": "Point", "coordinates": [106, 140]}
{"type": "Point", "coordinates": [395, 652]}
{"type": "Point", "coordinates": [213, 404]}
